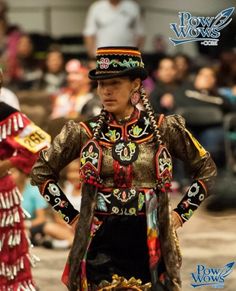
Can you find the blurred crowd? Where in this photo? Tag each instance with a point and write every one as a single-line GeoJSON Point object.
{"type": "Point", "coordinates": [52, 88]}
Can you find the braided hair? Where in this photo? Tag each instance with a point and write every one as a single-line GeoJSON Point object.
{"type": "Point", "coordinates": [164, 197]}
{"type": "Point", "coordinates": [148, 107]}
{"type": "Point", "coordinates": [80, 240]}
{"type": "Point", "coordinates": [100, 122]}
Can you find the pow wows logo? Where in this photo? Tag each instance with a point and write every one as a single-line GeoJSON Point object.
{"type": "Point", "coordinates": [199, 28]}
{"type": "Point", "coordinates": [213, 277]}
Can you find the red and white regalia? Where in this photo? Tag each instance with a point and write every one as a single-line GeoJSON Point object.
{"type": "Point", "coordinates": [20, 142]}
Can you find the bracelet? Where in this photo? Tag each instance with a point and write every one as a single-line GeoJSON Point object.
{"type": "Point", "coordinates": [191, 200]}
{"type": "Point", "coordinates": [54, 195]}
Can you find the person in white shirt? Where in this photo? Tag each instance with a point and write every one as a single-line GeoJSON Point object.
{"type": "Point", "coordinates": [112, 23]}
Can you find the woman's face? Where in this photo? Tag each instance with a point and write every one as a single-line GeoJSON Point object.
{"type": "Point", "coordinates": [54, 62]}
{"type": "Point", "coordinates": [78, 80]}
{"type": "Point", "coordinates": [24, 46]}
{"type": "Point", "coordinates": [181, 64]}
{"type": "Point", "coordinates": [205, 79]}
{"type": "Point", "coordinates": [115, 94]}
{"type": "Point", "coordinates": [166, 71]}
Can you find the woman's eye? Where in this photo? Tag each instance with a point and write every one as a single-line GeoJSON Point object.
{"type": "Point", "coordinates": [114, 83]}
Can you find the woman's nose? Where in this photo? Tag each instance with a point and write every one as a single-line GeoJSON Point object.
{"type": "Point", "coordinates": [107, 90]}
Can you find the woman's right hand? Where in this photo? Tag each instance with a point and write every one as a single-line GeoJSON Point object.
{"type": "Point", "coordinates": [176, 220]}
{"type": "Point", "coordinates": [5, 166]}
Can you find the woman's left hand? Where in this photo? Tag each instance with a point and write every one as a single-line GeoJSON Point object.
{"type": "Point", "coordinates": [176, 220]}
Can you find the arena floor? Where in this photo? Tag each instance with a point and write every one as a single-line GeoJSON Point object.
{"type": "Point", "coordinates": [208, 239]}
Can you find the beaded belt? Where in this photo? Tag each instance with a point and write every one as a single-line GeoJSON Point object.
{"type": "Point", "coordinates": [118, 201]}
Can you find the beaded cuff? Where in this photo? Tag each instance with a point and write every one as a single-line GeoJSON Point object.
{"type": "Point", "coordinates": [191, 200]}
{"type": "Point", "coordinates": [53, 194]}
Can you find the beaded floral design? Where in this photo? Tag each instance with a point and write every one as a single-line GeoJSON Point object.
{"type": "Point", "coordinates": [104, 63]}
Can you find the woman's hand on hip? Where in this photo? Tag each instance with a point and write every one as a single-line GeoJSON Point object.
{"type": "Point", "coordinates": [176, 220]}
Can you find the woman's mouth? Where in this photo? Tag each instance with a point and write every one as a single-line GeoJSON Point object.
{"type": "Point", "coordinates": [108, 101]}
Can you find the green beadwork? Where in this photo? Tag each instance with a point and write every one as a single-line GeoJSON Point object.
{"type": "Point", "coordinates": [141, 200]}
{"type": "Point", "coordinates": [111, 134]}
{"type": "Point", "coordinates": [137, 130]}
{"type": "Point", "coordinates": [126, 63]}
{"type": "Point", "coordinates": [188, 214]}
{"type": "Point", "coordinates": [93, 124]}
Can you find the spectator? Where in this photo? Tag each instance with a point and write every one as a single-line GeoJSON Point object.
{"type": "Point", "coordinates": [54, 76]}
{"type": "Point", "coordinates": [9, 36]}
{"type": "Point", "coordinates": [203, 93]}
{"type": "Point", "coordinates": [227, 77]}
{"type": "Point", "coordinates": [204, 85]}
{"type": "Point", "coordinates": [162, 97]}
{"type": "Point", "coordinates": [75, 100]}
{"type": "Point", "coordinates": [3, 9]}
{"type": "Point", "coordinates": [157, 52]}
{"type": "Point", "coordinates": [112, 23]}
{"type": "Point", "coordinates": [227, 69]}
{"type": "Point", "coordinates": [151, 59]}
{"type": "Point", "coordinates": [25, 71]}
{"type": "Point", "coordinates": [183, 64]}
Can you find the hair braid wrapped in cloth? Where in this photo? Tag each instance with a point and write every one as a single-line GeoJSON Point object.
{"type": "Point", "coordinates": [168, 236]}
{"type": "Point", "coordinates": [89, 194]}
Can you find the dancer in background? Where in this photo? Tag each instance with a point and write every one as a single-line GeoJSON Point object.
{"type": "Point", "coordinates": [20, 142]}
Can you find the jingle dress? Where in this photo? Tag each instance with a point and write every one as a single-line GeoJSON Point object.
{"type": "Point", "coordinates": [20, 141]}
{"type": "Point", "coordinates": [125, 226]}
